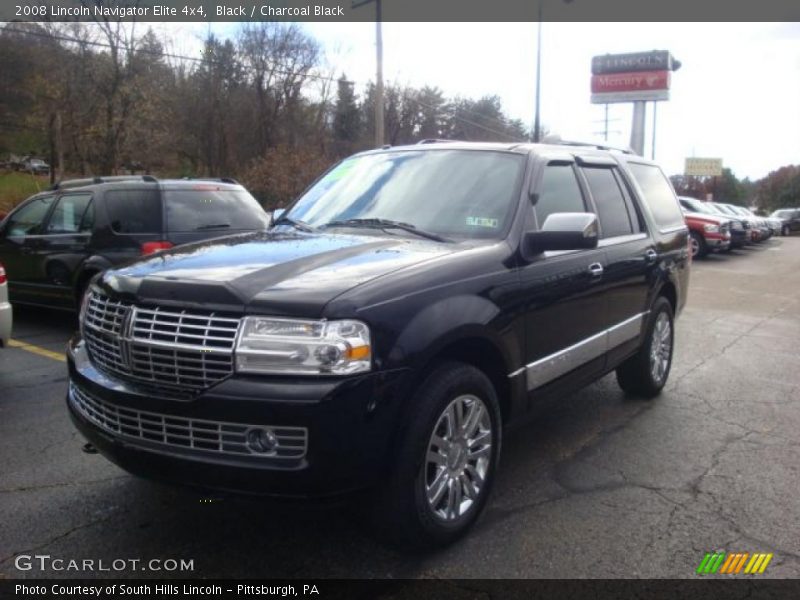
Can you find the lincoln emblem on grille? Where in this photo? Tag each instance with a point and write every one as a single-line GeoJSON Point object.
{"type": "Point", "coordinates": [126, 335]}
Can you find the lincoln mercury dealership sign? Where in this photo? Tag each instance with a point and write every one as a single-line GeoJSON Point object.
{"type": "Point", "coordinates": [637, 76]}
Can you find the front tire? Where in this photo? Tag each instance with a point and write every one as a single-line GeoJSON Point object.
{"type": "Point", "coordinates": [646, 372]}
{"type": "Point", "coordinates": [698, 245]}
{"type": "Point", "coordinates": [447, 460]}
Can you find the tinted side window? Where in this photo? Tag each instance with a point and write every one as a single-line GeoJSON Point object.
{"type": "Point", "coordinates": [28, 219]}
{"type": "Point", "coordinates": [559, 192]}
{"type": "Point", "coordinates": [612, 212]}
{"type": "Point", "coordinates": [134, 211]}
{"type": "Point", "coordinates": [658, 194]}
{"type": "Point", "coordinates": [68, 213]}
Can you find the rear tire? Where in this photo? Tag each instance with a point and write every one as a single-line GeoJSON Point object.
{"type": "Point", "coordinates": [646, 372]}
{"type": "Point", "coordinates": [446, 462]}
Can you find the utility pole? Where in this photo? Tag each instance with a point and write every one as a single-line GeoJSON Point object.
{"type": "Point", "coordinates": [537, 122]}
{"type": "Point", "coordinates": [604, 125]}
{"type": "Point", "coordinates": [379, 135]}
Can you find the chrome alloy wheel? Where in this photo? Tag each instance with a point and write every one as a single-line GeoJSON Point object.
{"type": "Point", "coordinates": [695, 245]}
{"type": "Point", "coordinates": [660, 348]}
{"type": "Point", "coordinates": [458, 458]}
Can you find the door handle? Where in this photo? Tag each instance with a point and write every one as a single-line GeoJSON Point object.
{"type": "Point", "coordinates": [595, 269]}
{"type": "Point", "coordinates": [650, 256]}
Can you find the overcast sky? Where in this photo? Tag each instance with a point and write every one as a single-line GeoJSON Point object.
{"type": "Point", "coordinates": [736, 97]}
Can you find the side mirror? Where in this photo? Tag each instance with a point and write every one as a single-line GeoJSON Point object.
{"type": "Point", "coordinates": [563, 231]}
{"type": "Point", "coordinates": [276, 214]}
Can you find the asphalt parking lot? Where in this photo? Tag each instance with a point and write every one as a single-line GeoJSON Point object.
{"type": "Point", "coordinates": [599, 486]}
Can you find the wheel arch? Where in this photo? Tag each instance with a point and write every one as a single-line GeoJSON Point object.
{"type": "Point", "coordinates": [669, 291]}
{"type": "Point", "coordinates": [90, 267]}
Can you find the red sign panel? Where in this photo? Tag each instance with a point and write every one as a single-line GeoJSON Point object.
{"type": "Point", "coordinates": [630, 82]}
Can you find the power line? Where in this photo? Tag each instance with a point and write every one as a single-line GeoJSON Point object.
{"type": "Point", "coordinates": [473, 123]}
{"type": "Point", "coordinates": [155, 53]}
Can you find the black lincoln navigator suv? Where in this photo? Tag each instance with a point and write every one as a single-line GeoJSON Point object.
{"type": "Point", "coordinates": [387, 327]}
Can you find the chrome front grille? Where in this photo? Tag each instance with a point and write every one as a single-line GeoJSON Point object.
{"type": "Point", "coordinates": [159, 347]}
{"type": "Point", "coordinates": [199, 436]}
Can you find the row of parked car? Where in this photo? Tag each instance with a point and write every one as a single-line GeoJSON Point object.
{"type": "Point", "coordinates": [27, 164]}
{"type": "Point", "coordinates": [719, 227]}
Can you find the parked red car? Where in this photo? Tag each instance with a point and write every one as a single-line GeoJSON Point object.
{"type": "Point", "coordinates": [707, 233]}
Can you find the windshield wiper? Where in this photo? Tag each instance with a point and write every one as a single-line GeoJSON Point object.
{"type": "Point", "coordinates": [212, 226]}
{"type": "Point", "coordinates": [387, 224]}
{"type": "Point", "coordinates": [302, 226]}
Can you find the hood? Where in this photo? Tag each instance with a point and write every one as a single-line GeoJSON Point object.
{"type": "Point", "coordinates": [279, 272]}
{"type": "Point", "coordinates": [696, 216]}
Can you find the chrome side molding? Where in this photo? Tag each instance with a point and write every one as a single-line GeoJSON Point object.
{"type": "Point", "coordinates": [559, 363]}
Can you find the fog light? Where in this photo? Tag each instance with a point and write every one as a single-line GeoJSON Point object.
{"type": "Point", "coordinates": [261, 441]}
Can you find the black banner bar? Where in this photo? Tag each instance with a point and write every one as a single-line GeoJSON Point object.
{"type": "Point", "coordinates": [751, 587]}
{"type": "Point", "coordinates": [397, 10]}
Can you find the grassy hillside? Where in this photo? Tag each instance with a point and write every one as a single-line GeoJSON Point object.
{"type": "Point", "coordinates": [15, 187]}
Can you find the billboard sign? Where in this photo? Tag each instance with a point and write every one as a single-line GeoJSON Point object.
{"type": "Point", "coordinates": [630, 82]}
{"type": "Point", "coordinates": [656, 60]}
{"type": "Point", "coordinates": [703, 167]}
{"type": "Point", "coordinates": [642, 86]}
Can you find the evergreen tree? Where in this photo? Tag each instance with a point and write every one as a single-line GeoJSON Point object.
{"type": "Point", "coordinates": [347, 118]}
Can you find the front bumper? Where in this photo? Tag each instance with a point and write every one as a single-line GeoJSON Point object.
{"type": "Point", "coordinates": [334, 435]}
{"type": "Point", "coordinates": [738, 238]}
{"type": "Point", "coordinates": [718, 244]}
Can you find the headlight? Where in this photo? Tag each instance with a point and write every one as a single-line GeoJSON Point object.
{"type": "Point", "coordinates": [711, 228]}
{"type": "Point", "coordinates": [303, 347]}
{"type": "Point", "coordinates": [84, 305]}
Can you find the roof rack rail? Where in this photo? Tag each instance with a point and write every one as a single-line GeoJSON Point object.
{"type": "Point", "coordinates": [435, 141]}
{"type": "Point", "coordinates": [72, 183]}
{"type": "Point", "coordinates": [557, 141]}
{"type": "Point", "coordinates": [220, 179]}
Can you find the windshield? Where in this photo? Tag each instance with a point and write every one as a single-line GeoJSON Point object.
{"type": "Point", "coordinates": [724, 210]}
{"type": "Point", "coordinates": [697, 206]}
{"type": "Point", "coordinates": [201, 209]}
{"type": "Point", "coordinates": [716, 210]}
{"type": "Point", "coordinates": [455, 193]}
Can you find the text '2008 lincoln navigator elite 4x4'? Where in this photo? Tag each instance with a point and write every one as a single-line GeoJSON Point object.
{"type": "Point", "coordinates": [381, 334]}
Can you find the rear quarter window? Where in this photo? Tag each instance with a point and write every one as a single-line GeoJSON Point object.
{"type": "Point", "coordinates": [133, 211]}
{"type": "Point", "coordinates": [658, 195]}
